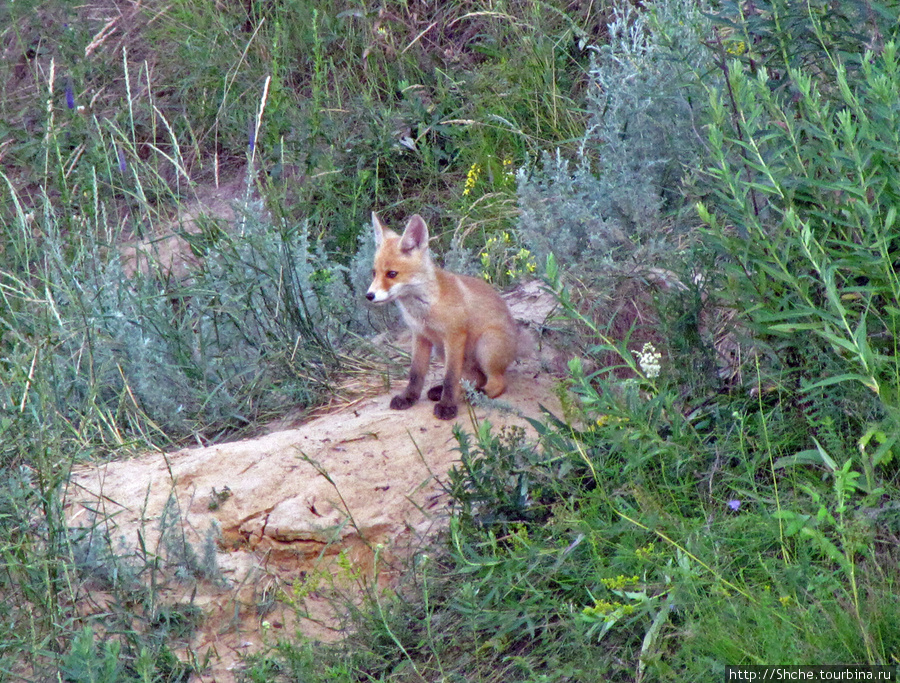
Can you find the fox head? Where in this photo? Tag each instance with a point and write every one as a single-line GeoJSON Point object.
{"type": "Point", "coordinates": [402, 266]}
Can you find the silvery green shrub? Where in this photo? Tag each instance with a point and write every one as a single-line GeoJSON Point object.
{"type": "Point", "coordinates": [640, 141]}
{"type": "Point", "coordinates": [254, 328]}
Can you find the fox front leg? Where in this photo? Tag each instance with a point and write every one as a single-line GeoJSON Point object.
{"type": "Point", "coordinates": [421, 355]}
{"type": "Point", "coordinates": [446, 407]}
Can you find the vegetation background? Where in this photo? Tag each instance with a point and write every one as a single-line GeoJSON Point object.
{"type": "Point", "coordinates": [721, 488]}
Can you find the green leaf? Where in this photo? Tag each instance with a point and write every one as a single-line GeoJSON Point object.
{"type": "Point", "coordinates": [827, 459]}
{"type": "Point", "coordinates": [837, 379]}
{"type": "Point", "coordinates": [552, 269]}
{"type": "Point", "coordinates": [807, 457]}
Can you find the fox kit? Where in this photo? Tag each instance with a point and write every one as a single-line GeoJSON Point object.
{"type": "Point", "coordinates": [459, 315]}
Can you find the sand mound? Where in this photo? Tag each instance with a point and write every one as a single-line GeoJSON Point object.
{"type": "Point", "coordinates": [293, 511]}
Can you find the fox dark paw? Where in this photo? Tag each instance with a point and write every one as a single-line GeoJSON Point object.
{"type": "Point", "coordinates": [401, 402]}
{"type": "Point", "coordinates": [434, 394]}
{"type": "Point", "coordinates": [444, 412]}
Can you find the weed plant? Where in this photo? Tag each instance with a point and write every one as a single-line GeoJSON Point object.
{"type": "Point", "coordinates": [803, 224]}
{"type": "Point", "coordinates": [49, 574]}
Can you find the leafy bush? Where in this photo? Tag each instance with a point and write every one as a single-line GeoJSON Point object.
{"type": "Point", "coordinates": [806, 191]}
{"type": "Point", "coordinates": [86, 664]}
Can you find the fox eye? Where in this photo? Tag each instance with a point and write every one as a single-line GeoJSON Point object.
{"type": "Point", "coordinates": [373, 272]}
{"type": "Point", "coordinates": [391, 274]}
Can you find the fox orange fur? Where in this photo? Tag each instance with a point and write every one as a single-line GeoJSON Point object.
{"type": "Point", "coordinates": [461, 316]}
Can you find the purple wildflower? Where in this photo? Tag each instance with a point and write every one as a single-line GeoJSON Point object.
{"type": "Point", "coordinates": [70, 94]}
{"type": "Point", "coordinates": [734, 504]}
{"type": "Point", "coordinates": [120, 155]}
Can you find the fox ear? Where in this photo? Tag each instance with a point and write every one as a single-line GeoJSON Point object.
{"type": "Point", "coordinates": [378, 228]}
{"type": "Point", "coordinates": [415, 236]}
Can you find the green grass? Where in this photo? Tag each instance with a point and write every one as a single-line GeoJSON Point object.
{"type": "Point", "coordinates": [725, 511]}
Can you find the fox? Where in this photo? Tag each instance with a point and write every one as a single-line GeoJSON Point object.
{"type": "Point", "coordinates": [460, 317]}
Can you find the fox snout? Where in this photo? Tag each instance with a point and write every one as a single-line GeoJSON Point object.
{"type": "Point", "coordinates": [378, 295]}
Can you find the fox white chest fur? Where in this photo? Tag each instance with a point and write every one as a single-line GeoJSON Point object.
{"type": "Point", "coordinates": [459, 315]}
{"type": "Point", "coordinates": [415, 313]}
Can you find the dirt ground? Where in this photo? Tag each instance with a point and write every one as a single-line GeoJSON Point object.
{"type": "Point", "coordinates": [301, 512]}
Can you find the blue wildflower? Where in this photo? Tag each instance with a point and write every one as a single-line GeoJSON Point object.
{"type": "Point", "coordinates": [120, 156]}
{"type": "Point", "coordinates": [734, 504]}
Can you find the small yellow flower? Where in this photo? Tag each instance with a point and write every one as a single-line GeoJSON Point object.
{"type": "Point", "coordinates": [471, 178]}
{"type": "Point", "coordinates": [618, 583]}
{"type": "Point", "coordinates": [602, 608]}
{"type": "Point", "coordinates": [736, 47]}
{"type": "Point", "coordinates": [785, 600]}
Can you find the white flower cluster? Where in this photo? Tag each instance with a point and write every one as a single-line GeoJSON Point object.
{"type": "Point", "coordinates": [649, 360]}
